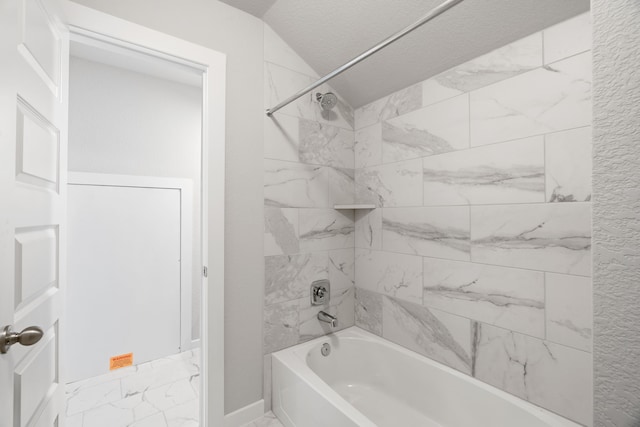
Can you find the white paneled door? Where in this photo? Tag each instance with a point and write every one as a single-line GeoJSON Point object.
{"type": "Point", "coordinates": [33, 125]}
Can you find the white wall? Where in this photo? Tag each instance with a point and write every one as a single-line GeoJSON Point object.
{"type": "Point", "coordinates": [616, 212]}
{"type": "Point", "coordinates": [239, 35]}
{"type": "Point", "coordinates": [123, 122]}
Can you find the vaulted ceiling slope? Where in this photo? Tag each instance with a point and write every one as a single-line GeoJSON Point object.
{"type": "Point", "coordinates": [328, 33]}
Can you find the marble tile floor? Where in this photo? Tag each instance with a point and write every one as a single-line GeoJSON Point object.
{"type": "Point", "coordinates": [160, 393]}
{"type": "Point", "coordinates": [268, 420]}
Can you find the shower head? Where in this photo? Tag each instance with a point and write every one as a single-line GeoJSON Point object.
{"type": "Point", "coordinates": [327, 100]}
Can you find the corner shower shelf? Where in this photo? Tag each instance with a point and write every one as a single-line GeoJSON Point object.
{"type": "Point", "coordinates": [361, 206]}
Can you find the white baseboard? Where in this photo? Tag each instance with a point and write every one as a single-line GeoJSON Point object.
{"type": "Point", "coordinates": [245, 415]}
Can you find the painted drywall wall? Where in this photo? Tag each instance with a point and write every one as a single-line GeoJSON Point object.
{"type": "Point", "coordinates": [479, 252]}
{"type": "Point", "coordinates": [127, 123]}
{"type": "Point", "coordinates": [239, 35]}
{"type": "Point", "coordinates": [616, 212]}
{"type": "Point", "coordinates": [308, 168]}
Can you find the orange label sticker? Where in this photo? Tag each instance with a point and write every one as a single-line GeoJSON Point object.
{"type": "Point", "coordinates": [122, 361]}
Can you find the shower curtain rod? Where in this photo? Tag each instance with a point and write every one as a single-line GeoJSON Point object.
{"type": "Point", "coordinates": [448, 4]}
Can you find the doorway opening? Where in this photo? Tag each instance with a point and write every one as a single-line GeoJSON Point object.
{"type": "Point", "coordinates": [132, 327]}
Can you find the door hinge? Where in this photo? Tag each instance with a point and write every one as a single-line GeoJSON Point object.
{"type": "Point", "coordinates": [205, 271]}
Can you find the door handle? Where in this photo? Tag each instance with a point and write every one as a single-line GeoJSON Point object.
{"type": "Point", "coordinates": [29, 336]}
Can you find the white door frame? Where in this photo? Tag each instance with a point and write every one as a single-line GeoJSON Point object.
{"type": "Point", "coordinates": [86, 22]}
{"type": "Point", "coordinates": [185, 186]}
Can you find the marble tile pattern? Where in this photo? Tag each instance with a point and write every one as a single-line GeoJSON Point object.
{"type": "Point", "coordinates": [554, 237]}
{"type": "Point", "coordinates": [342, 269]}
{"type": "Point", "coordinates": [569, 317]}
{"type": "Point", "coordinates": [435, 334]}
{"type": "Point", "coordinates": [441, 231]}
{"type": "Point", "coordinates": [368, 229]}
{"type": "Point", "coordinates": [434, 129]}
{"type": "Point", "coordinates": [325, 144]}
{"type": "Point", "coordinates": [282, 82]}
{"type": "Point", "coordinates": [292, 322]}
{"type": "Point", "coordinates": [389, 273]}
{"type": "Point", "coordinates": [511, 172]}
{"type": "Point", "coordinates": [287, 277]}
{"type": "Point", "coordinates": [567, 38]}
{"type": "Point", "coordinates": [402, 102]}
{"type": "Point", "coordinates": [281, 326]}
{"type": "Point", "coordinates": [392, 184]}
{"type": "Point", "coordinates": [282, 137]}
{"type": "Point", "coordinates": [487, 293]}
{"type": "Point", "coordinates": [544, 100]}
{"type": "Point", "coordinates": [368, 146]}
{"type": "Point", "coordinates": [289, 317]}
{"type": "Point", "coordinates": [552, 376]}
{"type": "Point", "coordinates": [568, 160]}
{"type": "Point", "coordinates": [160, 393]}
{"type": "Point", "coordinates": [342, 183]}
{"type": "Point", "coordinates": [324, 229]}
{"type": "Point", "coordinates": [295, 185]}
{"type": "Point", "coordinates": [309, 161]}
{"type": "Point", "coordinates": [341, 306]}
{"type": "Point", "coordinates": [500, 64]}
{"type": "Point", "coordinates": [280, 231]}
{"type": "Point", "coordinates": [368, 312]}
{"type": "Point", "coordinates": [478, 254]}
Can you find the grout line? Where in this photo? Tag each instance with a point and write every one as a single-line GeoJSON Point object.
{"type": "Point", "coordinates": [298, 162]}
{"type": "Point", "coordinates": [469, 119]}
{"type": "Point", "coordinates": [470, 239]}
{"type": "Point", "coordinates": [422, 301]}
{"type": "Point", "coordinates": [544, 163]}
{"type": "Point", "coordinates": [480, 205]}
{"type": "Point", "coordinates": [472, 262]}
{"type": "Point", "coordinates": [475, 147]}
{"type": "Point", "coordinates": [567, 57]}
{"type": "Point", "coordinates": [546, 312]}
{"type": "Point", "coordinates": [477, 321]}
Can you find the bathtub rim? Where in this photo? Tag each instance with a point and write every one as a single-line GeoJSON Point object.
{"type": "Point", "coordinates": [295, 358]}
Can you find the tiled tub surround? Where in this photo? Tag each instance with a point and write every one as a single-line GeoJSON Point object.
{"type": "Point", "coordinates": [308, 168]}
{"type": "Point", "coordinates": [289, 316]}
{"type": "Point", "coordinates": [160, 393]}
{"type": "Point", "coordinates": [479, 255]}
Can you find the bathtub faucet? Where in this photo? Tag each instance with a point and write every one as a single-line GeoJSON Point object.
{"type": "Point", "coordinates": [327, 318]}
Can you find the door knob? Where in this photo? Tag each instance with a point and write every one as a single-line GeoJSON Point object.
{"type": "Point", "coordinates": [29, 336]}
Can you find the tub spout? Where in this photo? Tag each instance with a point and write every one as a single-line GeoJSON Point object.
{"type": "Point", "coordinates": [327, 318]}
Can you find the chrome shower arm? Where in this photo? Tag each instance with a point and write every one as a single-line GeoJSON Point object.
{"type": "Point", "coordinates": [438, 10]}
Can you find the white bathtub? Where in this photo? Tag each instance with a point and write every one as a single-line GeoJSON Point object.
{"type": "Point", "coordinates": [367, 381]}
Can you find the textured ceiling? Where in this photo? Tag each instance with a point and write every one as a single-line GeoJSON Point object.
{"type": "Point", "coordinates": [328, 33]}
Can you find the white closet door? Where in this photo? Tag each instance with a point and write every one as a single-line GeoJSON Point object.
{"type": "Point", "coordinates": [123, 291]}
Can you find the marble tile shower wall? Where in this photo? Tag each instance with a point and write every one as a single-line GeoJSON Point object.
{"type": "Point", "coordinates": [308, 168]}
{"type": "Point", "coordinates": [479, 253]}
